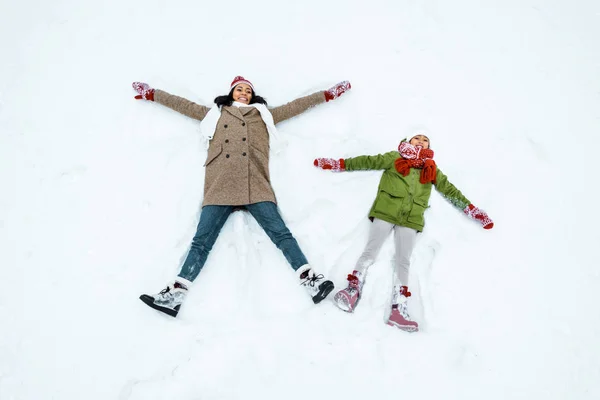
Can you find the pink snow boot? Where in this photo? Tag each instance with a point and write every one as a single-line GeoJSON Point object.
{"type": "Point", "coordinates": [399, 316]}
{"type": "Point", "coordinates": [347, 299]}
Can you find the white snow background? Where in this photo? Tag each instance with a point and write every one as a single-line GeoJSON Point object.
{"type": "Point", "coordinates": [100, 198]}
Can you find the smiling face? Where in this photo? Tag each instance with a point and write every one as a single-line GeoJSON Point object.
{"type": "Point", "coordinates": [242, 93]}
{"type": "Point", "coordinates": [420, 140]}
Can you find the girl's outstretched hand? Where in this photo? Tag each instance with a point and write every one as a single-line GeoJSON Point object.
{"type": "Point", "coordinates": [479, 216]}
{"type": "Point", "coordinates": [330, 163]}
{"type": "Point", "coordinates": [144, 90]}
{"type": "Point", "coordinates": [337, 90]}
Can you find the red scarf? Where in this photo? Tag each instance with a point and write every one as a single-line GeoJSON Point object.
{"type": "Point", "coordinates": [416, 157]}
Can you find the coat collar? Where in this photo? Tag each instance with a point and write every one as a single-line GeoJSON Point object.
{"type": "Point", "coordinates": [235, 112]}
{"type": "Point", "coordinates": [246, 110]}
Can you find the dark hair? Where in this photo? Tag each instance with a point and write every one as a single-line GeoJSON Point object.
{"type": "Point", "coordinates": [228, 99]}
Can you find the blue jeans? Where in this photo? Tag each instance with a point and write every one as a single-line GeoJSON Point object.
{"type": "Point", "coordinates": [212, 219]}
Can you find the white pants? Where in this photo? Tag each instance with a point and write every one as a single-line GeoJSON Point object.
{"type": "Point", "coordinates": [404, 241]}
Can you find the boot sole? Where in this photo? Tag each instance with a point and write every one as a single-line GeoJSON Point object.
{"type": "Point", "coordinates": [149, 301]}
{"type": "Point", "coordinates": [405, 328]}
{"type": "Point", "coordinates": [324, 289]}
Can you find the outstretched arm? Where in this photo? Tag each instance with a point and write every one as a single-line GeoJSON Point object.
{"type": "Point", "coordinates": [452, 194]}
{"type": "Point", "coordinates": [380, 161]}
{"type": "Point", "coordinates": [298, 106]}
{"type": "Point", "coordinates": [176, 103]}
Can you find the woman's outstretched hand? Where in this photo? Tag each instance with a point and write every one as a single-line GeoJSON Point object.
{"type": "Point", "coordinates": [144, 90]}
{"type": "Point", "coordinates": [337, 90]}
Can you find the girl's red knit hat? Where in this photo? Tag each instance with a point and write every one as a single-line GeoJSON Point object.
{"type": "Point", "coordinates": [240, 79]}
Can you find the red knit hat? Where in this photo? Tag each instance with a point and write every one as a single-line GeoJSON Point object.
{"type": "Point", "coordinates": [240, 79]}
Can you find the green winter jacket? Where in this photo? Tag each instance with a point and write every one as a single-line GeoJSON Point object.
{"type": "Point", "coordinates": [402, 200]}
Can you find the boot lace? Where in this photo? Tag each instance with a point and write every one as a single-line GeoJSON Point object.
{"type": "Point", "coordinates": [353, 284]}
{"type": "Point", "coordinates": [165, 290]}
{"type": "Point", "coordinates": [312, 281]}
{"type": "Point", "coordinates": [403, 310]}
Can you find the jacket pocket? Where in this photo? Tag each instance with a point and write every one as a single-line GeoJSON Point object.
{"type": "Point", "coordinates": [259, 150]}
{"type": "Point", "coordinates": [417, 211]}
{"type": "Point", "coordinates": [213, 152]}
{"type": "Point", "coordinates": [388, 204]}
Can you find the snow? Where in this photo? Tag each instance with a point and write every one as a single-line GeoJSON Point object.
{"type": "Point", "coordinates": [101, 194]}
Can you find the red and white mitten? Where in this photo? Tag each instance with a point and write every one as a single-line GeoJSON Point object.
{"type": "Point", "coordinates": [144, 90]}
{"type": "Point", "coordinates": [330, 163]}
{"type": "Point", "coordinates": [337, 90]}
{"type": "Point", "coordinates": [479, 216]}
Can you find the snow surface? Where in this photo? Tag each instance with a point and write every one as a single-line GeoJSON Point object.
{"type": "Point", "coordinates": [101, 194]}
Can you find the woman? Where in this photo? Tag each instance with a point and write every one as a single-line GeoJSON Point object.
{"type": "Point", "coordinates": [239, 130]}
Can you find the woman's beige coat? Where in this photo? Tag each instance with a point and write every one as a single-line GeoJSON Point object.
{"type": "Point", "coordinates": [237, 166]}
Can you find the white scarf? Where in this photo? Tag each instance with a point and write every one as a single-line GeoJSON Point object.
{"type": "Point", "coordinates": [209, 124]}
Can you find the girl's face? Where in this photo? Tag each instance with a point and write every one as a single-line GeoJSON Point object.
{"type": "Point", "coordinates": [420, 140]}
{"type": "Point", "coordinates": [242, 93]}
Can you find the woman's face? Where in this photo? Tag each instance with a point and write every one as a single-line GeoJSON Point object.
{"type": "Point", "coordinates": [242, 93]}
{"type": "Point", "coordinates": [420, 140]}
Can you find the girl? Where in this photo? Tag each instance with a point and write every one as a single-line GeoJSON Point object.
{"type": "Point", "coordinates": [402, 198]}
{"type": "Point", "coordinates": [238, 130]}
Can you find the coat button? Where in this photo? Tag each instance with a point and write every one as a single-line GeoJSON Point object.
{"type": "Point", "coordinates": [225, 126]}
{"type": "Point", "coordinates": [226, 140]}
{"type": "Point", "coordinates": [243, 124]}
{"type": "Point", "coordinates": [226, 155]}
{"type": "Point", "coordinates": [244, 139]}
{"type": "Point", "coordinates": [244, 154]}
